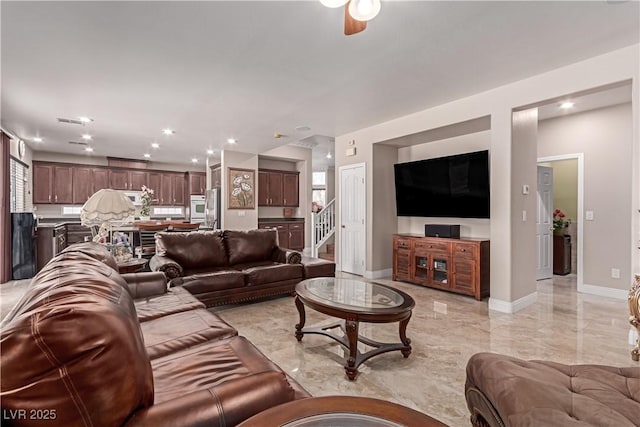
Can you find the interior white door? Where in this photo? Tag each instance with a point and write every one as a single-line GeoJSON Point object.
{"type": "Point", "coordinates": [544, 224]}
{"type": "Point", "coordinates": [352, 219]}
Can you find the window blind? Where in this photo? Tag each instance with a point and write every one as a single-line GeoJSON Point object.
{"type": "Point", "coordinates": [18, 184]}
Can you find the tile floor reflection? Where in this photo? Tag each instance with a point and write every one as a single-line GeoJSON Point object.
{"type": "Point", "coordinates": [445, 329]}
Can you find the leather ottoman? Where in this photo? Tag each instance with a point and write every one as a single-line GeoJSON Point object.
{"type": "Point", "coordinates": [317, 267]}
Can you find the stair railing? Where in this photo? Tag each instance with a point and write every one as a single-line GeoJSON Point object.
{"type": "Point", "coordinates": [323, 226]}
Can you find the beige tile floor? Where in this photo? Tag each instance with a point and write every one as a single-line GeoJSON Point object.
{"type": "Point", "coordinates": [445, 329]}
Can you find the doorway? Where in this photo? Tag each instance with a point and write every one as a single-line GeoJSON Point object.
{"type": "Point", "coordinates": [570, 167]}
{"type": "Point", "coordinates": [352, 219]}
{"type": "Point", "coordinates": [544, 223]}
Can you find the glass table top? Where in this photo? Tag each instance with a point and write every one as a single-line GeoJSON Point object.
{"type": "Point", "coordinates": [341, 419]}
{"type": "Point", "coordinates": [353, 293]}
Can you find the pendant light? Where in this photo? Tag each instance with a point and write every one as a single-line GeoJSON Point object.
{"type": "Point", "coordinates": [364, 10]}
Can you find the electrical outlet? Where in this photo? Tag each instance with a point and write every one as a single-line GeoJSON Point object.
{"type": "Point", "coordinates": [615, 273]}
{"type": "Point", "coordinates": [241, 213]}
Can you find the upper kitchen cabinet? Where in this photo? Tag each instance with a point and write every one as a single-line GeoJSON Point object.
{"type": "Point", "coordinates": [155, 183]}
{"type": "Point", "coordinates": [197, 182]}
{"type": "Point", "coordinates": [100, 178]}
{"type": "Point", "coordinates": [52, 183]}
{"type": "Point", "coordinates": [123, 179]}
{"type": "Point", "coordinates": [172, 189]}
{"type": "Point", "coordinates": [278, 188]}
{"type": "Point", "coordinates": [137, 179]}
{"type": "Point", "coordinates": [82, 184]}
{"type": "Point", "coordinates": [290, 189]}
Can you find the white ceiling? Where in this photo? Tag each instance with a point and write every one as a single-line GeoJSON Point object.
{"type": "Point", "coordinates": [214, 70]}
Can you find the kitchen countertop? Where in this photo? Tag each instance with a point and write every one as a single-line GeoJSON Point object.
{"type": "Point", "coordinates": [280, 220]}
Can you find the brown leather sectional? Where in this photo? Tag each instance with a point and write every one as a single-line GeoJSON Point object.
{"type": "Point", "coordinates": [505, 391]}
{"type": "Point", "coordinates": [88, 346]}
{"type": "Point", "coordinates": [221, 267]}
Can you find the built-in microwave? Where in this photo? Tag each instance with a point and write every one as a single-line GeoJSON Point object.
{"type": "Point", "coordinates": [135, 197]}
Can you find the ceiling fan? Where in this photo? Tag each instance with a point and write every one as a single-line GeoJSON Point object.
{"type": "Point", "coordinates": [356, 13]}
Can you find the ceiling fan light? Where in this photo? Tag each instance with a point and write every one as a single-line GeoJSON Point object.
{"type": "Point", "coordinates": [334, 3]}
{"type": "Point", "coordinates": [364, 10]}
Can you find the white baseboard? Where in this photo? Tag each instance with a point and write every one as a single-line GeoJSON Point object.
{"type": "Point", "coordinates": [513, 306]}
{"type": "Point", "coordinates": [604, 291]}
{"type": "Point", "coordinates": [378, 274]}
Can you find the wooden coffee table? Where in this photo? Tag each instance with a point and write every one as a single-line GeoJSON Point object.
{"type": "Point", "coordinates": [344, 411]}
{"type": "Point", "coordinates": [354, 301]}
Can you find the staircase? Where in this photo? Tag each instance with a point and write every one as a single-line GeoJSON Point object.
{"type": "Point", "coordinates": [323, 226]}
{"type": "Point", "coordinates": [328, 253]}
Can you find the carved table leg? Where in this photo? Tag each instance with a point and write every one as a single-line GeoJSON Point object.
{"type": "Point", "coordinates": [299, 326]}
{"type": "Point", "coordinates": [403, 337]}
{"type": "Point", "coordinates": [352, 334]}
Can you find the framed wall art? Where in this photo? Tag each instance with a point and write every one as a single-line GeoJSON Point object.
{"type": "Point", "coordinates": [242, 189]}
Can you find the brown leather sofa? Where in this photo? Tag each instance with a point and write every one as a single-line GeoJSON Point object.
{"type": "Point", "coordinates": [221, 267]}
{"type": "Point", "coordinates": [86, 346]}
{"type": "Point", "coordinates": [506, 391]}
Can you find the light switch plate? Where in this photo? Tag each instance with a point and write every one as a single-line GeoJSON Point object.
{"type": "Point", "coordinates": [588, 215]}
{"type": "Point", "coordinates": [525, 189]}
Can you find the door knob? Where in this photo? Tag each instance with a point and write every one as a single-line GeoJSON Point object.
{"type": "Point", "coordinates": [343, 226]}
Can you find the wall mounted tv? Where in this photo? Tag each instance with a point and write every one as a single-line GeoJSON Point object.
{"type": "Point", "coordinates": [453, 186]}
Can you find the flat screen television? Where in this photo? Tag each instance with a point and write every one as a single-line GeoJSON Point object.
{"type": "Point", "coordinates": [453, 186]}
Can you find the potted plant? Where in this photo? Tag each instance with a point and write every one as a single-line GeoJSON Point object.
{"type": "Point", "coordinates": [560, 222]}
{"type": "Point", "coordinates": [145, 199]}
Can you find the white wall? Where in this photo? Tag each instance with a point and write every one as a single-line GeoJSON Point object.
{"type": "Point", "coordinates": [499, 103]}
{"type": "Point", "coordinates": [605, 136]}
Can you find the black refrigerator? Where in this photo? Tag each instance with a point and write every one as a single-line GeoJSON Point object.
{"type": "Point", "coordinates": [23, 245]}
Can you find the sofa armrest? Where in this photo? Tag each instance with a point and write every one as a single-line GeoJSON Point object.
{"type": "Point", "coordinates": [144, 285]}
{"type": "Point", "coordinates": [230, 403]}
{"type": "Point", "coordinates": [165, 264]}
{"type": "Point", "coordinates": [286, 256]}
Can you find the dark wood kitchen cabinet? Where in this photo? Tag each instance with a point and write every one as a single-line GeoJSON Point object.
{"type": "Point", "coordinates": [100, 178]}
{"type": "Point", "coordinates": [178, 189]}
{"type": "Point", "coordinates": [123, 179]}
{"type": "Point", "coordinates": [82, 185]}
{"type": "Point", "coordinates": [155, 183]}
{"type": "Point", "coordinates": [290, 189]}
{"type": "Point", "coordinates": [197, 183]}
{"type": "Point", "coordinates": [52, 183]}
{"type": "Point", "coordinates": [290, 233]}
{"type": "Point", "coordinates": [278, 188]}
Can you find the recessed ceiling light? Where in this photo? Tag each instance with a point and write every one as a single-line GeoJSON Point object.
{"type": "Point", "coordinates": [86, 136]}
{"type": "Point", "coordinates": [567, 104]}
{"type": "Point", "coordinates": [194, 160]}
{"type": "Point", "coordinates": [168, 131]}
{"type": "Point", "coordinates": [155, 145]}
{"type": "Point", "coordinates": [232, 140]}
{"type": "Point", "coordinates": [85, 119]}
{"type": "Point", "coordinates": [209, 152]}
{"type": "Point", "coordinates": [147, 155]}
{"type": "Point", "coordinates": [303, 128]}
{"type": "Point", "coordinates": [328, 155]}
{"type": "Point", "coordinates": [89, 149]}
{"type": "Point", "coordinates": [37, 139]}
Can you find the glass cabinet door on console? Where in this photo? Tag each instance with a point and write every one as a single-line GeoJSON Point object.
{"type": "Point", "coordinates": [431, 269]}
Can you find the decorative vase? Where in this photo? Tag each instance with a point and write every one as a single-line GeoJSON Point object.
{"type": "Point", "coordinates": [559, 231]}
{"type": "Point", "coordinates": [145, 218]}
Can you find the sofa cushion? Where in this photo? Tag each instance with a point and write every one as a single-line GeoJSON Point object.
{"type": "Point", "coordinates": [175, 300]}
{"type": "Point", "coordinates": [195, 249]}
{"type": "Point", "coordinates": [179, 331]}
{"type": "Point", "coordinates": [250, 246]}
{"type": "Point", "coordinates": [73, 345]}
{"type": "Point", "coordinates": [272, 273]}
{"type": "Point", "coordinates": [208, 366]}
{"type": "Point", "coordinates": [217, 281]}
{"type": "Point", "coordinates": [317, 267]}
{"type": "Point", "coordinates": [532, 393]}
